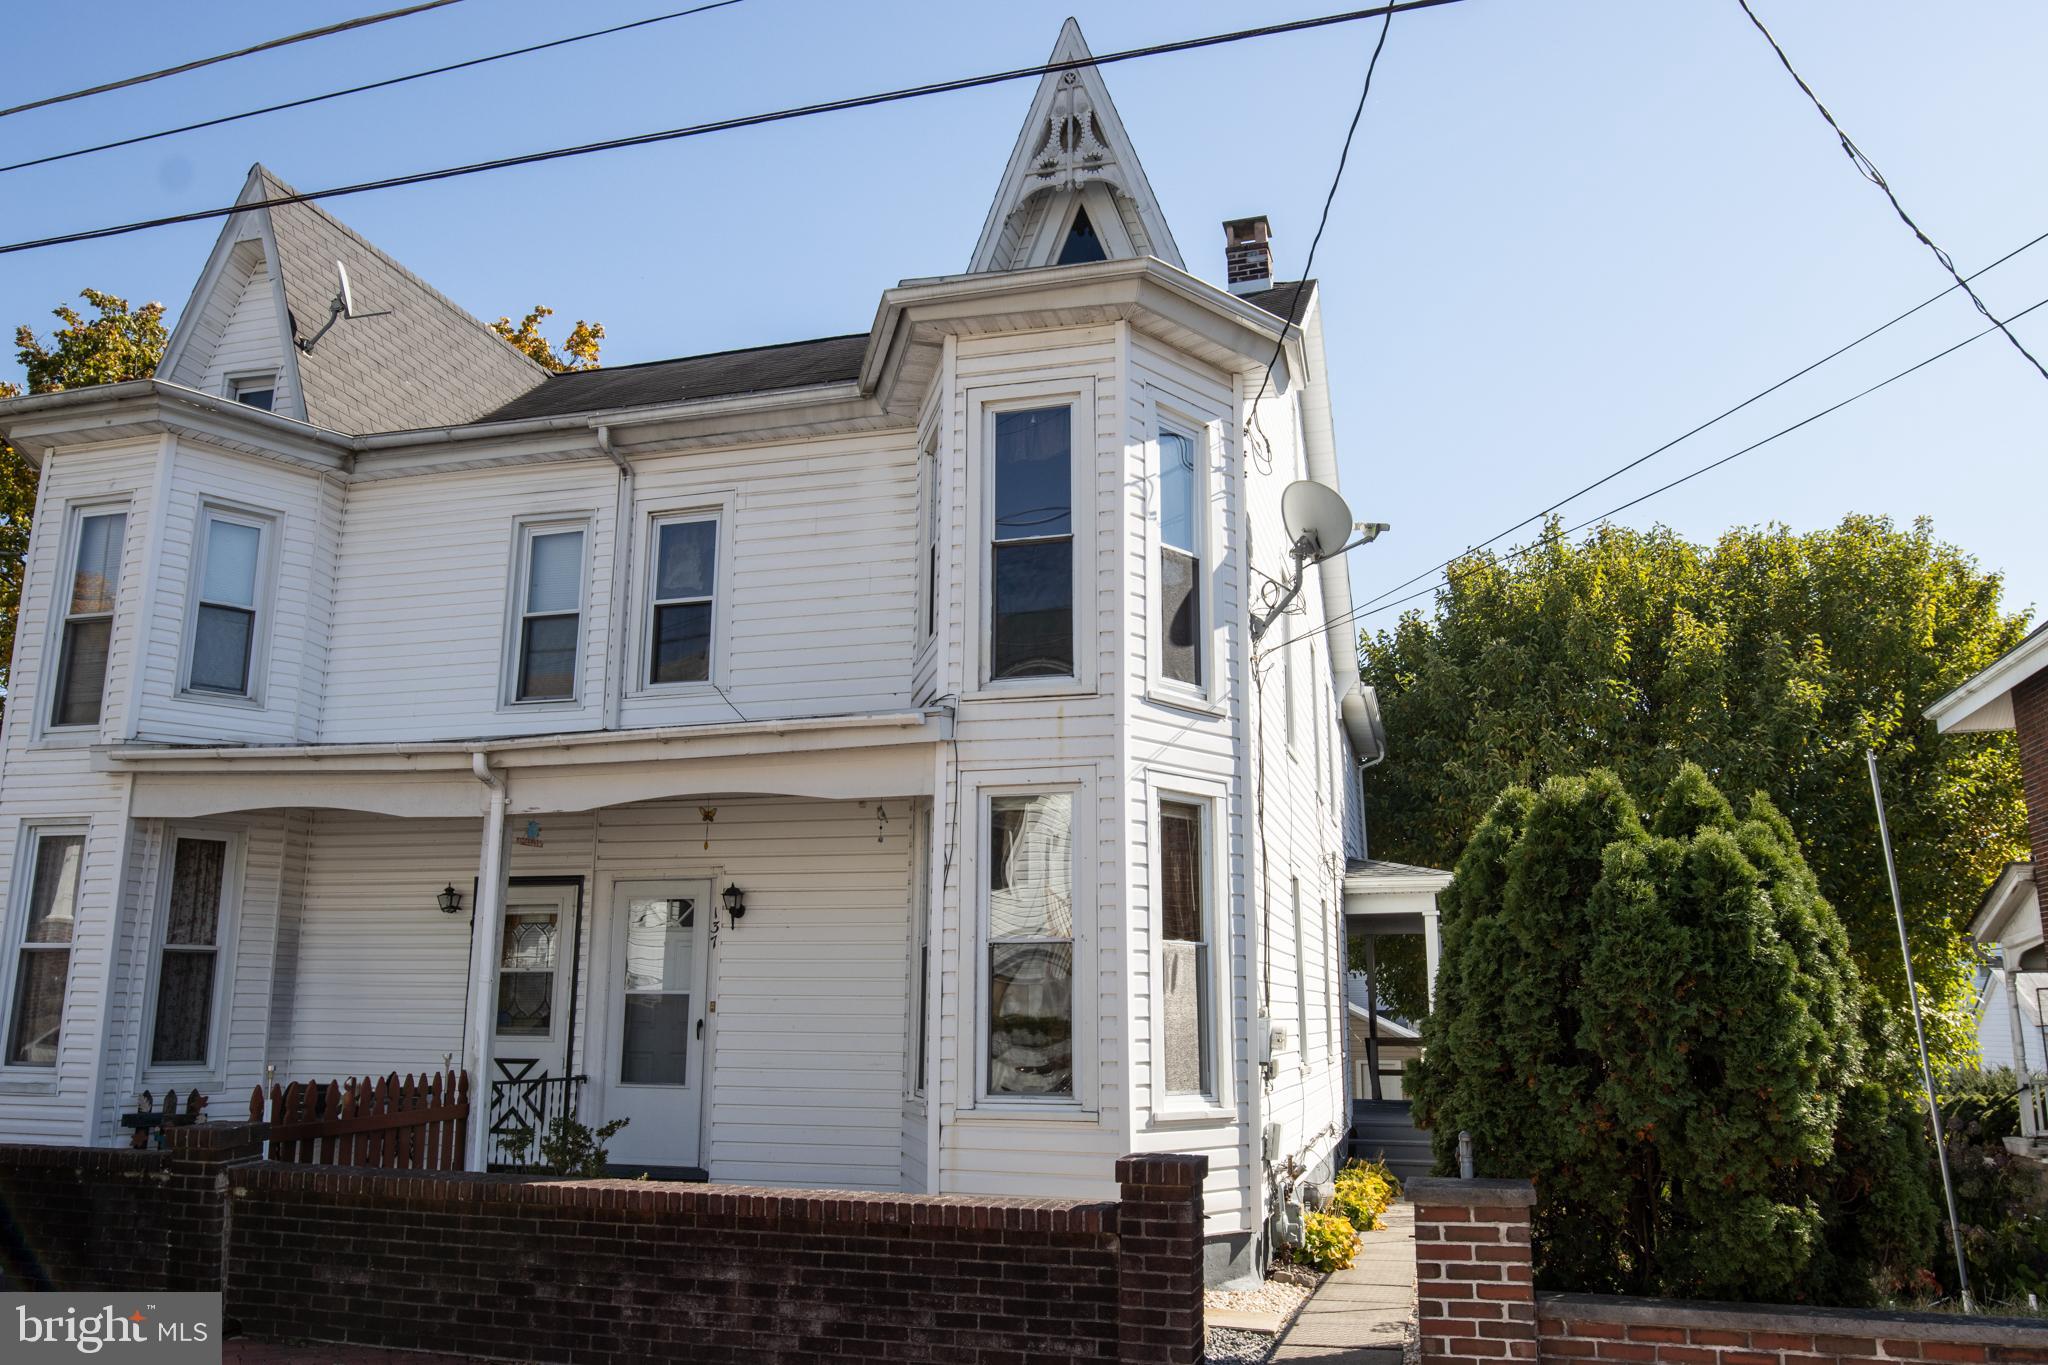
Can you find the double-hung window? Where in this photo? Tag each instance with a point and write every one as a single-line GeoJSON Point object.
{"type": "Point", "coordinates": [226, 626]}
{"type": "Point", "coordinates": [1031, 549]}
{"type": "Point", "coordinates": [188, 953]}
{"type": "Point", "coordinates": [88, 618]}
{"type": "Point", "coordinates": [1180, 558]}
{"type": "Point", "coordinates": [254, 390]}
{"type": "Point", "coordinates": [43, 951]}
{"type": "Point", "coordinates": [683, 598]}
{"type": "Point", "coordinates": [1185, 1007]}
{"type": "Point", "coordinates": [1029, 921]}
{"type": "Point", "coordinates": [548, 613]}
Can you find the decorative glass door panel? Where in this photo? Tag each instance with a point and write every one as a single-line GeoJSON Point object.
{"type": "Point", "coordinates": [529, 1077]}
{"type": "Point", "coordinates": [660, 948]}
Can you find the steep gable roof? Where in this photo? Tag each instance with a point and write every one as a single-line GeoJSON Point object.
{"type": "Point", "coordinates": [1072, 157]}
{"type": "Point", "coordinates": [423, 363]}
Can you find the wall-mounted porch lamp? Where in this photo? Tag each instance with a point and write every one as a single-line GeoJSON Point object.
{"type": "Point", "coordinates": [735, 903]}
{"type": "Point", "coordinates": [450, 900]}
{"type": "Point", "coordinates": [1318, 523]}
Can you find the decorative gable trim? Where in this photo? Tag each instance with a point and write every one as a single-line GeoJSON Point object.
{"type": "Point", "coordinates": [1072, 149]}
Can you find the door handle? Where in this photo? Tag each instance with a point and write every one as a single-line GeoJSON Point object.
{"type": "Point", "coordinates": [700, 1027]}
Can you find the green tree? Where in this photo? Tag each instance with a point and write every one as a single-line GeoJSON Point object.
{"type": "Point", "coordinates": [1660, 1023]}
{"type": "Point", "coordinates": [1771, 659]}
{"type": "Point", "coordinates": [118, 344]}
{"type": "Point", "coordinates": [578, 351]}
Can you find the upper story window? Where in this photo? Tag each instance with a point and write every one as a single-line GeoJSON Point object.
{"type": "Point", "coordinates": [1031, 545]}
{"type": "Point", "coordinates": [1028, 926]}
{"type": "Point", "coordinates": [928, 532]}
{"type": "Point", "coordinates": [548, 612]}
{"type": "Point", "coordinates": [682, 599]}
{"type": "Point", "coordinates": [88, 618]}
{"type": "Point", "coordinates": [43, 944]}
{"type": "Point", "coordinates": [227, 620]}
{"type": "Point", "coordinates": [1180, 558]}
{"type": "Point", "coordinates": [254, 390]}
{"type": "Point", "coordinates": [189, 952]}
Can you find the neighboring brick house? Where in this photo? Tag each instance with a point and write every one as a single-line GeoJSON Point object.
{"type": "Point", "coordinates": [2012, 694]}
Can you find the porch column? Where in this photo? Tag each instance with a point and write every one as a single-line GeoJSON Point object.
{"type": "Point", "coordinates": [2019, 1051]}
{"type": "Point", "coordinates": [1432, 953]}
{"type": "Point", "coordinates": [487, 927]}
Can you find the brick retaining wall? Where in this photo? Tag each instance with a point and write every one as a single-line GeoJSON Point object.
{"type": "Point", "coordinates": [621, 1271]}
{"type": "Point", "coordinates": [1479, 1307]}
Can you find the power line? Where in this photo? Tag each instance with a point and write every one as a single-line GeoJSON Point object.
{"type": "Point", "coordinates": [1869, 171]}
{"type": "Point", "coordinates": [1724, 414]}
{"type": "Point", "coordinates": [1552, 537]}
{"type": "Point", "coordinates": [1308, 265]}
{"type": "Point", "coordinates": [729, 124]}
{"type": "Point", "coordinates": [343, 27]}
{"type": "Point", "coordinates": [359, 89]}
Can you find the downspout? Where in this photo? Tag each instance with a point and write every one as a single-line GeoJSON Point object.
{"type": "Point", "coordinates": [622, 555]}
{"type": "Point", "coordinates": [487, 922]}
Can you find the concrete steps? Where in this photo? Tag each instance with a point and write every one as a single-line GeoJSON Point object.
{"type": "Point", "coordinates": [1385, 1129]}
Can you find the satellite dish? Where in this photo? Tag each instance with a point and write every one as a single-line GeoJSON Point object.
{"type": "Point", "coordinates": [1360, 714]}
{"type": "Point", "coordinates": [345, 297]}
{"type": "Point", "coordinates": [1315, 513]}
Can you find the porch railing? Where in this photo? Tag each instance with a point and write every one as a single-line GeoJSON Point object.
{"type": "Point", "coordinates": [420, 1123]}
{"type": "Point", "coordinates": [522, 1111]}
{"type": "Point", "coordinates": [2033, 1106]}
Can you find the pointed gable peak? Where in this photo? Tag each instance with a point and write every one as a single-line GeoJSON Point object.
{"type": "Point", "coordinates": [1073, 189]}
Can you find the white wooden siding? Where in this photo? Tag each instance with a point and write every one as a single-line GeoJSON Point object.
{"type": "Point", "coordinates": [250, 342]}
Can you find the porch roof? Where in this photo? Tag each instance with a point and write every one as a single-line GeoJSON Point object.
{"type": "Point", "coordinates": [830, 757]}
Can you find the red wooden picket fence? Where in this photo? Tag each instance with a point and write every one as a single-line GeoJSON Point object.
{"type": "Point", "coordinates": [420, 1123]}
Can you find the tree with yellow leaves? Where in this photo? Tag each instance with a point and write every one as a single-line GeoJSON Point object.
{"type": "Point", "coordinates": [578, 352]}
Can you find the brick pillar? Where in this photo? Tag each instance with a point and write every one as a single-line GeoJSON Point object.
{"type": "Point", "coordinates": [197, 1228]}
{"type": "Point", "coordinates": [2030, 719]}
{"type": "Point", "coordinates": [1159, 1260]}
{"type": "Point", "coordinates": [1473, 1290]}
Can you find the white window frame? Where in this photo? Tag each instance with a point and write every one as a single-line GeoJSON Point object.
{"type": "Point", "coordinates": [977, 788]}
{"type": "Point", "coordinates": [523, 533]}
{"type": "Point", "coordinates": [266, 524]}
{"type": "Point", "coordinates": [1208, 796]}
{"type": "Point", "coordinates": [918, 1023]}
{"type": "Point", "coordinates": [1205, 434]}
{"type": "Point", "coordinates": [983, 405]}
{"type": "Point", "coordinates": [1051, 238]}
{"type": "Point", "coordinates": [213, 1069]}
{"type": "Point", "coordinates": [27, 844]}
{"type": "Point", "coordinates": [75, 515]}
{"type": "Point", "coordinates": [719, 514]}
{"type": "Point", "coordinates": [1300, 972]}
{"type": "Point", "coordinates": [928, 541]}
{"type": "Point", "coordinates": [238, 384]}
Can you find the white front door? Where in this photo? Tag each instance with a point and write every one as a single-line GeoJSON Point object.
{"type": "Point", "coordinates": [654, 1042]}
{"type": "Point", "coordinates": [532, 1010]}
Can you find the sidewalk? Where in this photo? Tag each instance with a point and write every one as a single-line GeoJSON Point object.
{"type": "Point", "coordinates": [1361, 1316]}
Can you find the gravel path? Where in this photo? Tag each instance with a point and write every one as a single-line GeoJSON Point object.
{"type": "Point", "coordinates": [1229, 1347]}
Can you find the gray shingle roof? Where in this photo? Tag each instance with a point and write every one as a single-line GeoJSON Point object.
{"type": "Point", "coordinates": [427, 364]}
{"type": "Point", "coordinates": [758, 369]}
{"type": "Point", "coordinates": [1282, 298]}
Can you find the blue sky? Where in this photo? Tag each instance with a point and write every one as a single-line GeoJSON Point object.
{"type": "Point", "coordinates": [1570, 229]}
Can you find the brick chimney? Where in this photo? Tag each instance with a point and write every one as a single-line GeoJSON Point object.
{"type": "Point", "coordinates": [1248, 254]}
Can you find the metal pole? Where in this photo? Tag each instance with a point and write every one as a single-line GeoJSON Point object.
{"type": "Point", "coordinates": [1948, 1189]}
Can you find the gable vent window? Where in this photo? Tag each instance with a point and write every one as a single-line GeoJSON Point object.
{"type": "Point", "coordinates": [1031, 625]}
{"type": "Point", "coordinates": [1180, 559]}
{"type": "Point", "coordinates": [1082, 245]}
{"type": "Point", "coordinates": [550, 613]}
{"type": "Point", "coordinates": [88, 618]}
{"type": "Point", "coordinates": [254, 391]}
{"type": "Point", "coordinates": [225, 625]}
{"type": "Point", "coordinates": [685, 576]}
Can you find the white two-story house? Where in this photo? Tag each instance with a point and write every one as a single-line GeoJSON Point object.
{"type": "Point", "coordinates": [849, 761]}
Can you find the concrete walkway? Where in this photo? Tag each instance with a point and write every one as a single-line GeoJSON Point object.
{"type": "Point", "coordinates": [1362, 1315]}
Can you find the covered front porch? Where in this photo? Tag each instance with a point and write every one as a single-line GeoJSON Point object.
{"type": "Point", "coordinates": [1393, 949]}
{"type": "Point", "coordinates": [718, 948]}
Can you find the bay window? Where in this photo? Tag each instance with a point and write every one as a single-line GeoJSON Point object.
{"type": "Point", "coordinates": [188, 952]}
{"type": "Point", "coordinates": [227, 621]}
{"type": "Point", "coordinates": [88, 608]}
{"type": "Point", "coordinates": [1180, 558]}
{"type": "Point", "coordinates": [42, 948]}
{"type": "Point", "coordinates": [1185, 1008]}
{"type": "Point", "coordinates": [1029, 932]}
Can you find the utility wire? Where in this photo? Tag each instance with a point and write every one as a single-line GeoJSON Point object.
{"type": "Point", "coordinates": [1552, 537]}
{"type": "Point", "coordinates": [343, 27]}
{"type": "Point", "coordinates": [728, 124]}
{"type": "Point", "coordinates": [1308, 265]}
{"type": "Point", "coordinates": [1721, 416]}
{"type": "Point", "coordinates": [359, 89]}
{"type": "Point", "coordinates": [1868, 169]}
